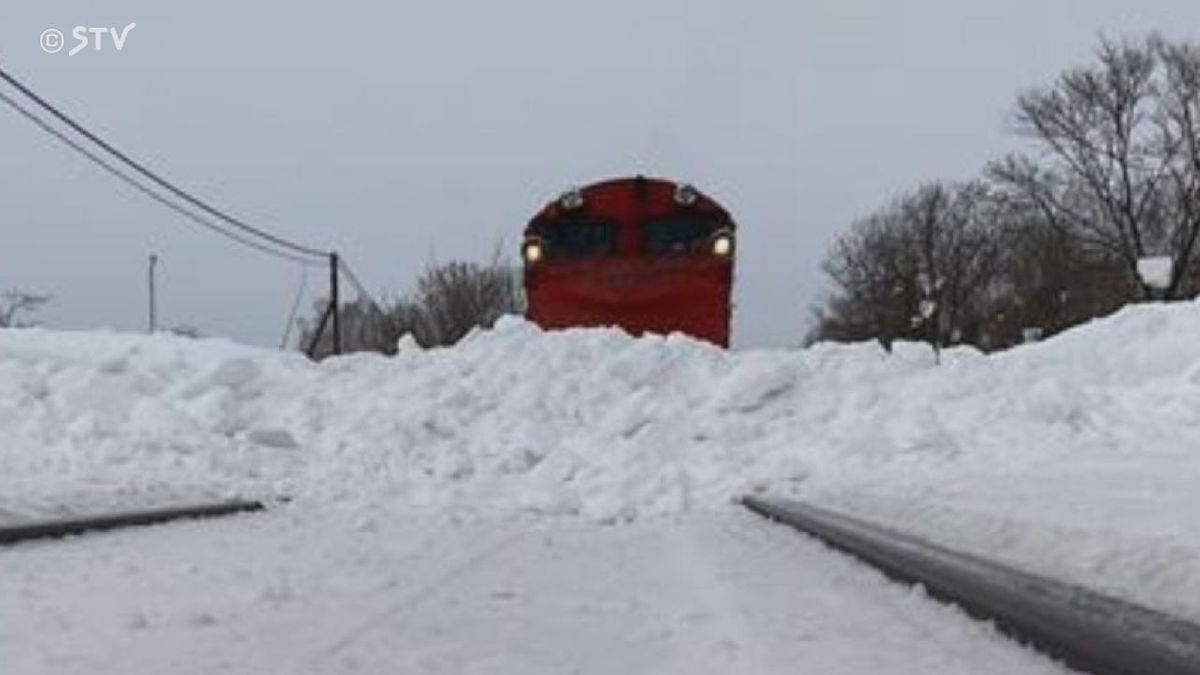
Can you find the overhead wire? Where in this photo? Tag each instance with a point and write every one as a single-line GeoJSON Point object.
{"type": "Point", "coordinates": [131, 181]}
{"type": "Point", "coordinates": [246, 234]}
{"type": "Point", "coordinates": [291, 320]}
{"type": "Point", "coordinates": [154, 177]}
{"type": "Point", "coordinates": [358, 285]}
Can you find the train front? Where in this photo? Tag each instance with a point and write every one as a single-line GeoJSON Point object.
{"type": "Point", "coordinates": [647, 255]}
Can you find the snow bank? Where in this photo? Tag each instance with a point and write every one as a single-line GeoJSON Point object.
{"type": "Point", "coordinates": [1078, 456]}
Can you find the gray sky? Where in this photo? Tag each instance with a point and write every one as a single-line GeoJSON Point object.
{"type": "Point", "coordinates": [403, 132]}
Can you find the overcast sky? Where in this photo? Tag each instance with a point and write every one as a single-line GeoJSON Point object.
{"type": "Point", "coordinates": [400, 133]}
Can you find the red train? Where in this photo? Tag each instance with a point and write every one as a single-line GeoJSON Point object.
{"type": "Point", "coordinates": [643, 254]}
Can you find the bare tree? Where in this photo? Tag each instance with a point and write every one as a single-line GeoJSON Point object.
{"type": "Point", "coordinates": [1048, 279]}
{"type": "Point", "coordinates": [364, 327]}
{"type": "Point", "coordinates": [451, 299]}
{"type": "Point", "coordinates": [456, 297]}
{"type": "Point", "coordinates": [1121, 167]}
{"type": "Point", "coordinates": [1051, 238]}
{"type": "Point", "coordinates": [922, 268]}
{"type": "Point", "coordinates": [1178, 116]}
{"type": "Point", "coordinates": [874, 275]}
{"type": "Point", "coordinates": [956, 246]}
{"type": "Point", "coordinates": [14, 303]}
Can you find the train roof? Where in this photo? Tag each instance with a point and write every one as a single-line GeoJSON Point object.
{"type": "Point", "coordinates": [665, 194]}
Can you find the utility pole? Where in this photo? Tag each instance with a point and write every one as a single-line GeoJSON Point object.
{"type": "Point", "coordinates": [331, 311]}
{"type": "Point", "coordinates": [153, 301]}
{"type": "Point", "coordinates": [335, 303]}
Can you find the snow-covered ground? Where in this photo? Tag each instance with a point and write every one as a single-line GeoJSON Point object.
{"type": "Point", "coordinates": [276, 594]}
{"type": "Point", "coordinates": [1078, 457]}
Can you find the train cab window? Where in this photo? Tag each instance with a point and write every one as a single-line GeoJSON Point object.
{"type": "Point", "coordinates": [580, 238]}
{"type": "Point", "coordinates": [675, 234]}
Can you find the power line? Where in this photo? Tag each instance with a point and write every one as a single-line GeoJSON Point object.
{"type": "Point", "coordinates": [130, 180]}
{"type": "Point", "coordinates": [161, 182]}
{"type": "Point", "coordinates": [291, 320]}
{"type": "Point", "coordinates": [304, 255]}
{"type": "Point", "coordinates": [362, 291]}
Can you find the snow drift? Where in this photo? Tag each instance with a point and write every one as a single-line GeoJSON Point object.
{"type": "Point", "coordinates": [1077, 457]}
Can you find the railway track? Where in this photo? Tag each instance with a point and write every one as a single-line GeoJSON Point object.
{"type": "Point", "coordinates": [55, 529]}
{"type": "Point", "coordinates": [1088, 631]}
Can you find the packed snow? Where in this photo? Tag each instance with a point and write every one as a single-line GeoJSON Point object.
{"type": "Point", "coordinates": [1076, 457]}
{"type": "Point", "coordinates": [274, 594]}
{"type": "Point", "coordinates": [1155, 271]}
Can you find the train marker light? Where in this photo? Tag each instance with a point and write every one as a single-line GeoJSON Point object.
{"type": "Point", "coordinates": [686, 195]}
{"type": "Point", "coordinates": [571, 199]}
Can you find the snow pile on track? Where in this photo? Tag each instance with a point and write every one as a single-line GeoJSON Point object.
{"type": "Point", "coordinates": [1079, 456]}
{"type": "Point", "coordinates": [582, 422]}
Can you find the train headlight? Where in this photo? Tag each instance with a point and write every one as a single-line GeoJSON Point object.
{"type": "Point", "coordinates": [686, 195]}
{"type": "Point", "coordinates": [722, 244]}
{"type": "Point", "coordinates": [571, 199]}
{"type": "Point", "coordinates": [532, 251]}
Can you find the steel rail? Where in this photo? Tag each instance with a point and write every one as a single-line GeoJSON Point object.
{"type": "Point", "coordinates": [1086, 630]}
{"type": "Point", "coordinates": [54, 529]}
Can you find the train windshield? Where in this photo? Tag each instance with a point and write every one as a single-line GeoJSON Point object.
{"type": "Point", "coordinates": [581, 238]}
{"type": "Point", "coordinates": [676, 234]}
